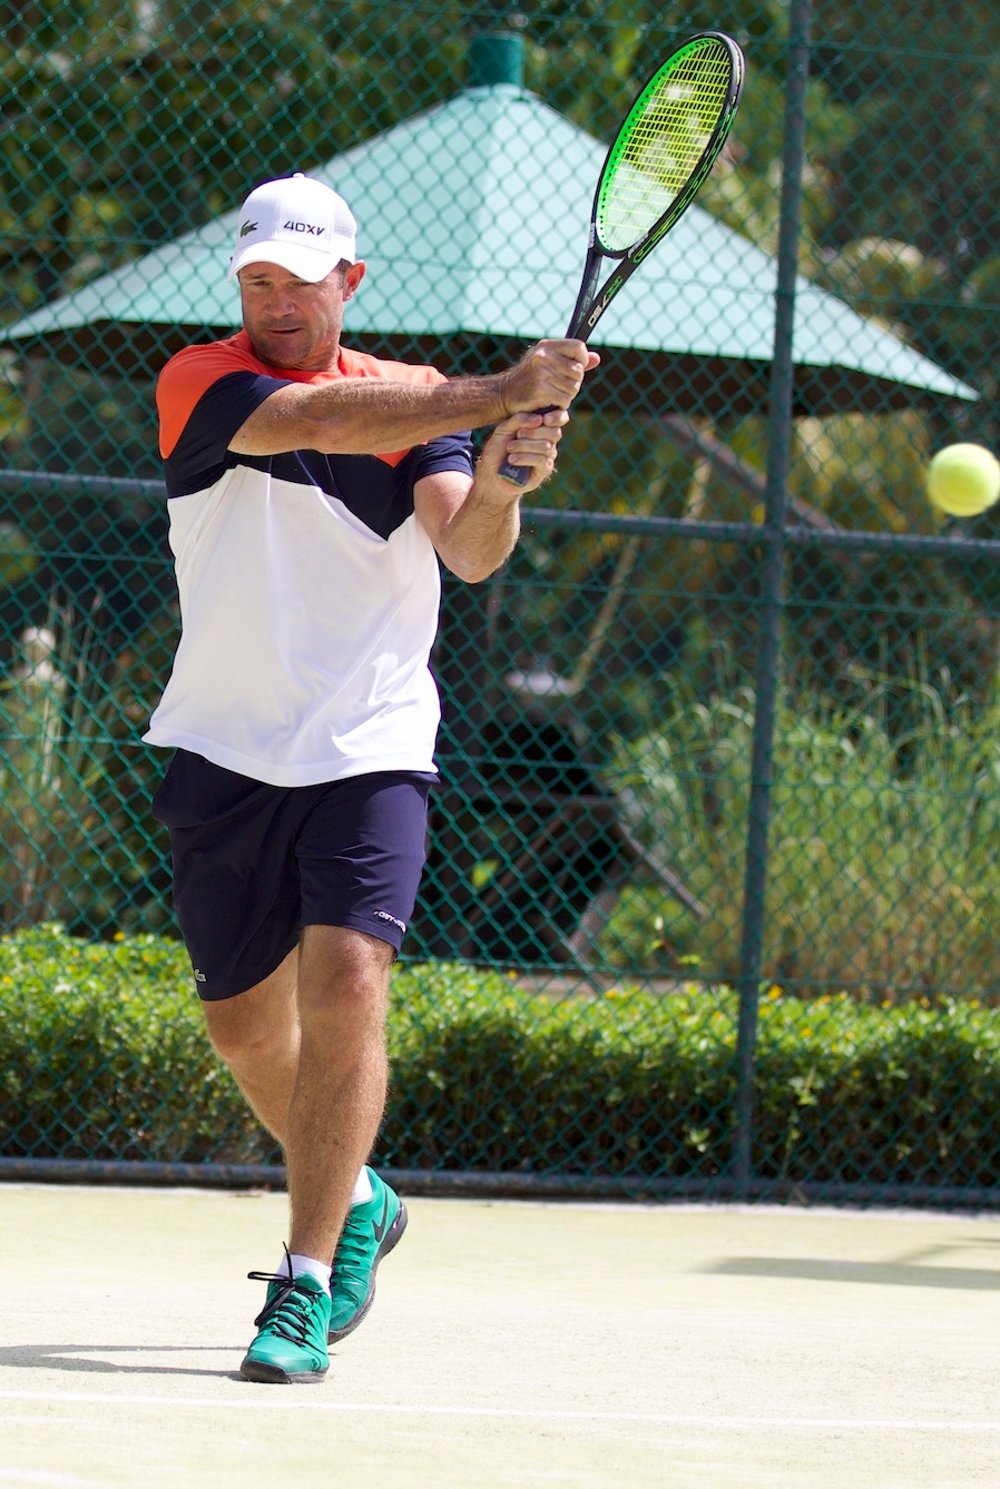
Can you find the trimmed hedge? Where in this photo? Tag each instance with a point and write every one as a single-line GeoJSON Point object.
{"type": "Point", "coordinates": [103, 1056]}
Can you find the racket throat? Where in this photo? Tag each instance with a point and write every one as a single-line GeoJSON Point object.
{"type": "Point", "coordinates": [582, 319]}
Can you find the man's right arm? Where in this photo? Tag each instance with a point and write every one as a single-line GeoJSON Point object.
{"type": "Point", "coordinates": [370, 416]}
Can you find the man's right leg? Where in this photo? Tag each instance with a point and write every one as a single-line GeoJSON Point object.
{"type": "Point", "coordinates": [237, 895]}
{"type": "Point", "coordinates": [257, 1035]}
{"type": "Point", "coordinates": [240, 850]}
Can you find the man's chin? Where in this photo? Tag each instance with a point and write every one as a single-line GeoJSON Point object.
{"type": "Point", "coordinates": [281, 350]}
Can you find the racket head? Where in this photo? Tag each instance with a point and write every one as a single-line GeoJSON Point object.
{"type": "Point", "coordinates": [667, 144]}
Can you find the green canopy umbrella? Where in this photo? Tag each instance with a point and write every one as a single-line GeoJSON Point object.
{"type": "Point", "coordinates": [473, 219]}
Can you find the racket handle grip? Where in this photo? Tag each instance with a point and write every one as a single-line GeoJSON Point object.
{"type": "Point", "coordinates": [518, 474]}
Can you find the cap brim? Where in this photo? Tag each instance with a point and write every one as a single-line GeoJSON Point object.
{"type": "Point", "coordinates": [304, 263]}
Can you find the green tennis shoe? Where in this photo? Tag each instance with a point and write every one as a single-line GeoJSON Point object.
{"type": "Point", "coordinates": [291, 1343]}
{"type": "Point", "coordinates": [370, 1232]}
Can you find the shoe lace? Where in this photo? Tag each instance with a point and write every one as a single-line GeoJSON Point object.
{"type": "Point", "coordinates": [288, 1312]}
{"type": "Point", "coordinates": [350, 1260]}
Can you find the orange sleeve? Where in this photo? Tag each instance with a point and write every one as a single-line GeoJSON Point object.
{"type": "Point", "coordinates": [191, 372]}
{"type": "Point", "coordinates": [186, 377]}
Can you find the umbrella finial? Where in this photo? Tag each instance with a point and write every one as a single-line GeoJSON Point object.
{"type": "Point", "coordinates": [496, 57]}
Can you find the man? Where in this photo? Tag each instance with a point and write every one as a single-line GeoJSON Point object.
{"type": "Point", "coordinates": [311, 492]}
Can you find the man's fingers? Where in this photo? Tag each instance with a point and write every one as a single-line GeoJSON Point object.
{"type": "Point", "coordinates": [528, 440]}
{"type": "Point", "coordinates": [550, 375]}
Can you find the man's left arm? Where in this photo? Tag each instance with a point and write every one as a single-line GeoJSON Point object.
{"type": "Point", "coordinates": [474, 522]}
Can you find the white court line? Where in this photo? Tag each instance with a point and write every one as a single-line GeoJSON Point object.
{"type": "Point", "coordinates": [424, 1409]}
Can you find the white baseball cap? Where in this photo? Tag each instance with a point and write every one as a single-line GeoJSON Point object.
{"type": "Point", "coordinates": [297, 222]}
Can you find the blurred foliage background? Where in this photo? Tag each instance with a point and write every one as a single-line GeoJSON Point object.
{"type": "Point", "coordinates": [603, 693]}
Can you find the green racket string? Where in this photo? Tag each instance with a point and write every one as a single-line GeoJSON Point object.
{"type": "Point", "coordinates": [662, 142]}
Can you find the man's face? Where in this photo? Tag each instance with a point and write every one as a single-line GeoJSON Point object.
{"type": "Point", "coordinates": [291, 322]}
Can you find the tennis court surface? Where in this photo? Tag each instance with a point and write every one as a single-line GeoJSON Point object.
{"type": "Point", "coordinates": [510, 1344]}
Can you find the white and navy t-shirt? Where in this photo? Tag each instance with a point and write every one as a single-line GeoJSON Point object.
{"type": "Point", "coordinates": [309, 591]}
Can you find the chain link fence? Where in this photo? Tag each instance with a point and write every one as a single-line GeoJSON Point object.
{"type": "Point", "coordinates": [721, 739]}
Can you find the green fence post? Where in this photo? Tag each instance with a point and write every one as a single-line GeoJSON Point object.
{"type": "Point", "coordinates": [771, 576]}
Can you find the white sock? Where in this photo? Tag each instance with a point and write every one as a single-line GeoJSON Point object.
{"type": "Point", "coordinates": [305, 1266]}
{"type": "Point", "coordinates": [363, 1190]}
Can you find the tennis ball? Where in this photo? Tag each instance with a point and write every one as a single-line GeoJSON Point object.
{"type": "Point", "coordinates": [963, 480]}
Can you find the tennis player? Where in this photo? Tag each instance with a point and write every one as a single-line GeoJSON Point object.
{"type": "Point", "coordinates": [311, 492]}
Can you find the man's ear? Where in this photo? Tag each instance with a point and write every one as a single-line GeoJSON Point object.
{"type": "Point", "coordinates": [353, 275]}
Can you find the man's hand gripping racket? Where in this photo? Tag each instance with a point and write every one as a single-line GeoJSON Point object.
{"type": "Point", "coordinates": [668, 143]}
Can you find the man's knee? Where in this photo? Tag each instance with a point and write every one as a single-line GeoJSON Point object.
{"type": "Point", "coordinates": [343, 980]}
{"type": "Point", "coordinates": [258, 1025]}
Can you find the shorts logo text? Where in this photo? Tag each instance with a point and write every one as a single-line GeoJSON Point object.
{"type": "Point", "coordinates": [391, 919]}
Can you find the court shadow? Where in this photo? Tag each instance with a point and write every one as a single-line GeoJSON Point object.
{"type": "Point", "coordinates": [902, 1273]}
{"type": "Point", "coordinates": [80, 1358]}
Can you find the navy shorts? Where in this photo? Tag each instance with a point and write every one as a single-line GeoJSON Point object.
{"type": "Point", "coordinates": [254, 863]}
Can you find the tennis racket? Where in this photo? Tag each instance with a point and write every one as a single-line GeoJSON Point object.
{"type": "Point", "coordinates": [668, 143]}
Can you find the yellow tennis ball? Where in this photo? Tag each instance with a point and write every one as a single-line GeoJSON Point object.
{"type": "Point", "coordinates": [963, 480]}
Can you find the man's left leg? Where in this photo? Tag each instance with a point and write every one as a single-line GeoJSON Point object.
{"type": "Point", "coordinates": [340, 1087]}
{"type": "Point", "coordinates": [355, 1011]}
{"type": "Point", "coordinates": [333, 1119]}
